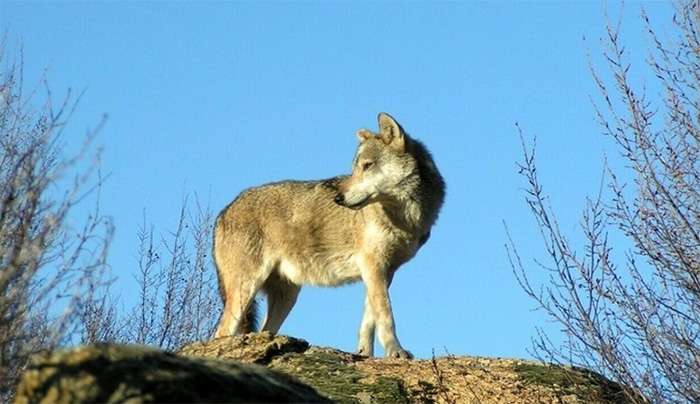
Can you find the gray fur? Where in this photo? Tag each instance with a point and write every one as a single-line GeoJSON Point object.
{"type": "Point", "coordinates": [277, 237]}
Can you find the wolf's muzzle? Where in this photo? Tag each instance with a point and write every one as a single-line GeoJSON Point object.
{"type": "Point", "coordinates": [340, 200]}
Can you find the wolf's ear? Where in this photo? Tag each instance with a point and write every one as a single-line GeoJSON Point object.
{"type": "Point", "coordinates": [391, 132]}
{"type": "Point", "coordinates": [364, 134]}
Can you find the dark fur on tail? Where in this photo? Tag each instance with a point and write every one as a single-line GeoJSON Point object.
{"type": "Point", "coordinates": [250, 321]}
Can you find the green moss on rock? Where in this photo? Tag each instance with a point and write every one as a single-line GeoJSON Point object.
{"type": "Point", "coordinates": [570, 380]}
{"type": "Point", "coordinates": [333, 374]}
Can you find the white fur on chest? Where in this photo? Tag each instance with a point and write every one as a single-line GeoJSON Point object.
{"type": "Point", "coordinates": [321, 269]}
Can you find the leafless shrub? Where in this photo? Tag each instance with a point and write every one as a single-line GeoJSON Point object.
{"type": "Point", "coordinates": [476, 398]}
{"type": "Point", "coordinates": [637, 322]}
{"type": "Point", "coordinates": [54, 285]}
{"type": "Point", "coordinates": [178, 291]}
{"type": "Point", "coordinates": [99, 317]}
{"type": "Point", "coordinates": [440, 385]}
{"type": "Point", "coordinates": [48, 267]}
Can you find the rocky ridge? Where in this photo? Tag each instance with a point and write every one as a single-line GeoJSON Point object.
{"type": "Point", "coordinates": [265, 368]}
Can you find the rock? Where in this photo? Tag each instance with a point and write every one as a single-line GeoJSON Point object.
{"type": "Point", "coordinates": [118, 373]}
{"type": "Point", "coordinates": [349, 378]}
{"type": "Point", "coordinates": [250, 348]}
{"type": "Point", "coordinates": [230, 370]}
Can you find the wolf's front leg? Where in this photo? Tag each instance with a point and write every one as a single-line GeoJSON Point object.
{"type": "Point", "coordinates": [365, 345]}
{"type": "Point", "coordinates": [377, 283]}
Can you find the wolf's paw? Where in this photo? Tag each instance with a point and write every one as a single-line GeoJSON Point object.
{"type": "Point", "coordinates": [363, 351]}
{"type": "Point", "coordinates": [398, 353]}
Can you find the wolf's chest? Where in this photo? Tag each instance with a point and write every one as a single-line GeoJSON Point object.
{"type": "Point", "coordinates": [391, 245]}
{"type": "Point", "coordinates": [335, 264]}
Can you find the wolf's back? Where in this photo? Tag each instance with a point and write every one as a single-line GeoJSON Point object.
{"type": "Point", "coordinates": [287, 215]}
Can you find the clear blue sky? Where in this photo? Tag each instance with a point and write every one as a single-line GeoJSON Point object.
{"type": "Point", "coordinates": [216, 97]}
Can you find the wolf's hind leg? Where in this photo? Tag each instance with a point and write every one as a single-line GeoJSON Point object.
{"type": "Point", "coordinates": [239, 312]}
{"type": "Point", "coordinates": [281, 296]}
{"type": "Point", "coordinates": [240, 290]}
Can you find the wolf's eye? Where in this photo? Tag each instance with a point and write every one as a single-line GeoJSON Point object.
{"type": "Point", "coordinates": [367, 165]}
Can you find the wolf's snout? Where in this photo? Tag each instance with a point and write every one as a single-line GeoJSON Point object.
{"type": "Point", "coordinates": [339, 199]}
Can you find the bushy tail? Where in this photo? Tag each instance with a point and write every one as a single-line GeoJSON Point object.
{"type": "Point", "coordinates": [250, 321]}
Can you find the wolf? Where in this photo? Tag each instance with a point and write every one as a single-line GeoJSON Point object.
{"type": "Point", "coordinates": [277, 237]}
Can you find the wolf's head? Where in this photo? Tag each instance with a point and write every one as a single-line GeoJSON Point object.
{"type": "Point", "coordinates": [382, 168]}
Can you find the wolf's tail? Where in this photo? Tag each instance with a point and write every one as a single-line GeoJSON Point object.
{"type": "Point", "coordinates": [250, 320]}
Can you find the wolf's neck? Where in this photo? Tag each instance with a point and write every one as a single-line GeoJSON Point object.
{"type": "Point", "coordinates": [417, 207]}
{"type": "Point", "coordinates": [405, 214]}
{"type": "Point", "coordinates": [412, 212]}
